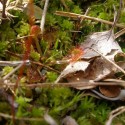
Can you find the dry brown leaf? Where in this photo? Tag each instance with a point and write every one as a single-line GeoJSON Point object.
{"type": "Point", "coordinates": [102, 42]}
{"type": "Point", "coordinates": [72, 68]}
{"type": "Point", "coordinates": [112, 91]}
{"type": "Point", "coordinates": [100, 69]}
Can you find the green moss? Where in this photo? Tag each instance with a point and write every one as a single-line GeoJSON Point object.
{"type": "Point", "coordinates": [6, 32]}
{"type": "Point", "coordinates": [3, 47]}
{"type": "Point", "coordinates": [51, 76]}
{"type": "Point", "coordinates": [6, 70]}
{"type": "Point", "coordinates": [4, 107]}
{"type": "Point", "coordinates": [22, 28]}
{"type": "Point", "coordinates": [66, 25]}
{"type": "Point", "coordinates": [58, 101]}
{"type": "Point", "coordinates": [35, 56]}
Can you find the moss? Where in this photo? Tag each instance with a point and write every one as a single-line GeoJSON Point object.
{"type": "Point", "coordinates": [56, 42]}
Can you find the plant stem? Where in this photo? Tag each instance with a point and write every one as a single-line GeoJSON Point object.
{"type": "Point", "coordinates": [121, 32]}
{"type": "Point", "coordinates": [12, 72]}
{"type": "Point", "coordinates": [118, 67]}
{"type": "Point", "coordinates": [4, 8]}
{"type": "Point", "coordinates": [42, 23]}
{"type": "Point", "coordinates": [74, 15]}
{"type": "Point", "coordinates": [38, 46]}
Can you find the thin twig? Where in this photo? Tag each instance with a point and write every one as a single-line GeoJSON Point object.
{"type": "Point", "coordinates": [48, 67]}
{"type": "Point", "coordinates": [4, 8]}
{"type": "Point", "coordinates": [19, 118]}
{"type": "Point", "coordinates": [121, 32]}
{"type": "Point", "coordinates": [12, 72]}
{"type": "Point", "coordinates": [13, 63]}
{"type": "Point", "coordinates": [118, 67]}
{"type": "Point", "coordinates": [117, 16]}
{"type": "Point", "coordinates": [38, 46]}
{"type": "Point", "coordinates": [14, 54]}
{"type": "Point", "coordinates": [42, 23]}
{"type": "Point", "coordinates": [64, 4]}
{"type": "Point", "coordinates": [78, 25]}
{"type": "Point", "coordinates": [83, 85]}
{"type": "Point", "coordinates": [115, 113]}
{"type": "Point", "coordinates": [74, 15]}
{"type": "Point", "coordinates": [7, 3]}
{"type": "Point", "coordinates": [17, 2]}
{"type": "Point", "coordinates": [86, 13]}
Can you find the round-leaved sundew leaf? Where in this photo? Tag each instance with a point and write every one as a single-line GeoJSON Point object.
{"type": "Point", "coordinates": [76, 54]}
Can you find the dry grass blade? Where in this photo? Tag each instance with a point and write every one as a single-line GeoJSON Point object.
{"type": "Point", "coordinates": [110, 61]}
{"type": "Point", "coordinates": [6, 116]}
{"type": "Point", "coordinates": [12, 72]}
{"type": "Point", "coordinates": [13, 63]}
{"type": "Point", "coordinates": [42, 23]}
{"type": "Point", "coordinates": [64, 4]}
{"type": "Point", "coordinates": [74, 15]}
{"type": "Point", "coordinates": [68, 120]}
{"type": "Point", "coordinates": [115, 113]}
{"type": "Point", "coordinates": [49, 119]}
{"type": "Point", "coordinates": [121, 32]}
{"type": "Point", "coordinates": [85, 85]}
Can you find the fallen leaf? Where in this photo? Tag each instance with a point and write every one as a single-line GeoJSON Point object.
{"type": "Point", "coordinates": [99, 69]}
{"type": "Point", "coordinates": [73, 67]}
{"type": "Point", "coordinates": [101, 42]}
{"type": "Point", "coordinates": [112, 91]}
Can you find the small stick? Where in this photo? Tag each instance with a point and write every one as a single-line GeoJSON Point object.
{"type": "Point", "coordinates": [64, 4]}
{"type": "Point", "coordinates": [12, 72]}
{"type": "Point", "coordinates": [79, 24]}
{"type": "Point", "coordinates": [83, 85]}
{"type": "Point", "coordinates": [48, 67]}
{"type": "Point", "coordinates": [7, 3]}
{"type": "Point", "coordinates": [13, 63]}
{"type": "Point", "coordinates": [121, 32]}
{"type": "Point", "coordinates": [6, 116]}
{"type": "Point", "coordinates": [38, 46]}
{"type": "Point", "coordinates": [13, 54]}
{"type": "Point", "coordinates": [110, 61]}
{"type": "Point", "coordinates": [42, 23]}
{"type": "Point", "coordinates": [74, 15]}
{"type": "Point", "coordinates": [117, 15]}
{"type": "Point", "coordinates": [4, 9]}
{"type": "Point", "coordinates": [86, 13]}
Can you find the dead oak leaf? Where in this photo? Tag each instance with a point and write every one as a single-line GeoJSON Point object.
{"type": "Point", "coordinates": [72, 68]}
{"type": "Point", "coordinates": [102, 42]}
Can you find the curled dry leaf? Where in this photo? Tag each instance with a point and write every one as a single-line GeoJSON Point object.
{"type": "Point", "coordinates": [112, 91]}
{"type": "Point", "coordinates": [72, 68]}
{"type": "Point", "coordinates": [79, 76]}
{"type": "Point", "coordinates": [103, 42]}
{"type": "Point", "coordinates": [97, 67]}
